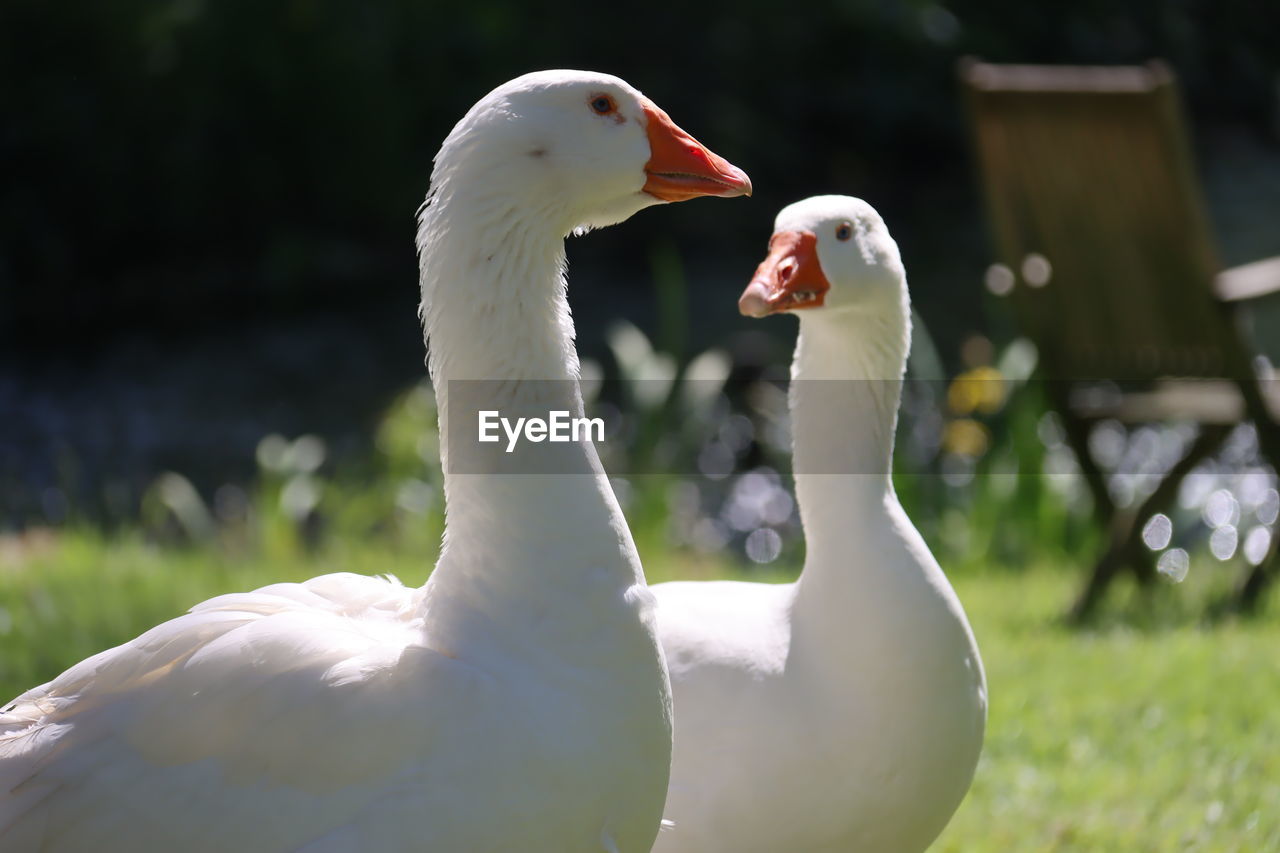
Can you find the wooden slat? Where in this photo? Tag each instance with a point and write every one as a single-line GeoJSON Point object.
{"type": "Point", "coordinates": [1204, 401]}
{"type": "Point", "coordinates": [1090, 168]}
{"type": "Point", "coordinates": [1065, 78]}
{"type": "Point", "coordinates": [1248, 281]}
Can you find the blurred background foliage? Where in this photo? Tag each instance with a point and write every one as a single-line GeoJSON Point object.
{"type": "Point", "coordinates": [206, 231]}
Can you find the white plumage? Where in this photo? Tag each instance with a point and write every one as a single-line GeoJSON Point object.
{"type": "Point", "coordinates": [844, 711]}
{"type": "Point", "coordinates": [518, 701]}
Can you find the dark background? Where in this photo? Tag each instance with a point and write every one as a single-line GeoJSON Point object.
{"type": "Point", "coordinates": [206, 215]}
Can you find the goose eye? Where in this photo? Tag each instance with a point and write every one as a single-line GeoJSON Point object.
{"type": "Point", "coordinates": [603, 105]}
{"type": "Point", "coordinates": [844, 231]}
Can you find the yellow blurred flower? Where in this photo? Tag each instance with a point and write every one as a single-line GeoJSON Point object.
{"type": "Point", "coordinates": [966, 437]}
{"type": "Point", "coordinates": [978, 390]}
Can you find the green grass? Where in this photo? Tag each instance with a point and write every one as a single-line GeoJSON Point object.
{"type": "Point", "coordinates": [1152, 738]}
{"type": "Point", "coordinates": [1160, 738]}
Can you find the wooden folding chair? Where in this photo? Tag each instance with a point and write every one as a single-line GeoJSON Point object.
{"type": "Point", "coordinates": [1097, 213]}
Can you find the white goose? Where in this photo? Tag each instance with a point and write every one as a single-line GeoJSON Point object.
{"type": "Point", "coordinates": [844, 711]}
{"type": "Point", "coordinates": [518, 701]}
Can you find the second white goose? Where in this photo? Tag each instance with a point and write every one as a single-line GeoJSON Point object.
{"type": "Point", "coordinates": [844, 711]}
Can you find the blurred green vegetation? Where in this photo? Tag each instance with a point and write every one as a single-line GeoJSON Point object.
{"type": "Point", "coordinates": [699, 452]}
{"type": "Point", "coordinates": [998, 496]}
{"type": "Point", "coordinates": [189, 181]}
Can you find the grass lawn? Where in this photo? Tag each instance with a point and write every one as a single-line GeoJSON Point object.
{"type": "Point", "coordinates": [1160, 738]}
{"type": "Point", "coordinates": [1164, 737]}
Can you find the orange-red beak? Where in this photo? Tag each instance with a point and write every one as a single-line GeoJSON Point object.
{"type": "Point", "coordinates": [680, 167]}
{"type": "Point", "coordinates": [790, 277]}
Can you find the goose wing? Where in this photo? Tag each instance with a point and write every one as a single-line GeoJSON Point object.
{"type": "Point", "coordinates": [257, 721]}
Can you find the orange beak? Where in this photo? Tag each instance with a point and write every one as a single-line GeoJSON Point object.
{"type": "Point", "coordinates": [790, 277]}
{"type": "Point", "coordinates": [680, 167]}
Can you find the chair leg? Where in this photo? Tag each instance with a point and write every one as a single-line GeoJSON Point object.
{"type": "Point", "coordinates": [1096, 586]}
{"type": "Point", "coordinates": [1125, 546]}
{"type": "Point", "coordinates": [1076, 431]}
{"type": "Point", "coordinates": [1256, 582]}
{"type": "Point", "coordinates": [1259, 578]}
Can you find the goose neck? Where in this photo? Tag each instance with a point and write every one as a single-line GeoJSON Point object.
{"type": "Point", "coordinates": [846, 384]}
{"type": "Point", "coordinates": [500, 337]}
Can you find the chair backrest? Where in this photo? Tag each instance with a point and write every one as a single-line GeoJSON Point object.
{"type": "Point", "coordinates": [1097, 213]}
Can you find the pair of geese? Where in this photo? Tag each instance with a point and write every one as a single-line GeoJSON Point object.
{"type": "Point", "coordinates": [522, 699]}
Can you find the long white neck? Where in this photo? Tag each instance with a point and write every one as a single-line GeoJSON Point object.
{"type": "Point", "coordinates": [846, 384]}
{"type": "Point", "coordinates": [498, 325]}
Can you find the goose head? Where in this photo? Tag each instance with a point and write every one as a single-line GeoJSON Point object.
{"type": "Point", "coordinates": [829, 255]}
{"type": "Point", "coordinates": [579, 150]}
